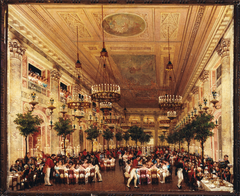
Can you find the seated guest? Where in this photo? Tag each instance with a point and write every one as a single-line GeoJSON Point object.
{"type": "Point", "coordinates": [165, 172]}
{"type": "Point", "coordinates": [227, 174]}
{"type": "Point", "coordinates": [112, 160]}
{"type": "Point", "coordinates": [57, 174]}
{"type": "Point", "coordinates": [158, 163]}
{"type": "Point", "coordinates": [199, 176]}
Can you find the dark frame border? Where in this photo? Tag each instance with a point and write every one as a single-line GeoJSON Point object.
{"type": "Point", "coordinates": [3, 84]}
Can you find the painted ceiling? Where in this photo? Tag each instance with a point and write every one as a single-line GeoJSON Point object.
{"type": "Point", "coordinates": [136, 38]}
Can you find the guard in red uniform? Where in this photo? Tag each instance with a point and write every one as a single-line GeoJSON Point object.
{"type": "Point", "coordinates": [49, 164]}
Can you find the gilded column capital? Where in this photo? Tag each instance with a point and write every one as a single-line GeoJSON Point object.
{"type": "Point", "coordinates": [15, 49]}
{"type": "Point", "coordinates": [223, 47]}
{"type": "Point", "coordinates": [205, 76]}
{"type": "Point", "coordinates": [55, 74]}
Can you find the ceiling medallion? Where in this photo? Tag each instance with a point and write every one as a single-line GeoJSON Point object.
{"type": "Point", "coordinates": [124, 24]}
{"type": "Point", "coordinates": [105, 89]}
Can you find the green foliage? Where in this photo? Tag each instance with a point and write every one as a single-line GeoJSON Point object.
{"type": "Point", "coordinates": [169, 139]}
{"type": "Point", "coordinates": [107, 134]}
{"type": "Point", "coordinates": [162, 138]}
{"type": "Point", "coordinates": [92, 133]}
{"type": "Point", "coordinates": [203, 127]}
{"type": "Point", "coordinates": [145, 138]}
{"type": "Point", "coordinates": [119, 136]}
{"type": "Point", "coordinates": [63, 127]}
{"type": "Point", "coordinates": [135, 133]}
{"type": "Point", "coordinates": [126, 136]}
{"type": "Point", "coordinates": [188, 131]}
{"type": "Point", "coordinates": [27, 123]}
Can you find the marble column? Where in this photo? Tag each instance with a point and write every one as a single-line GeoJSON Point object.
{"type": "Point", "coordinates": [223, 51]}
{"type": "Point", "coordinates": [156, 130]}
{"type": "Point", "coordinates": [15, 142]}
{"type": "Point", "coordinates": [55, 77]}
{"type": "Point", "coordinates": [206, 94]}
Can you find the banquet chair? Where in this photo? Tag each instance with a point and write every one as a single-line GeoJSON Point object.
{"type": "Point", "coordinates": [71, 178]}
{"type": "Point", "coordinates": [62, 177]}
{"type": "Point", "coordinates": [92, 175]}
{"type": "Point", "coordinates": [14, 182]}
{"type": "Point", "coordinates": [154, 176]}
{"type": "Point", "coordinates": [143, 176]}
{"type": "Point", "coordinates": [108, 166]}
{"type": "Point", "coordinates": [81, 177]}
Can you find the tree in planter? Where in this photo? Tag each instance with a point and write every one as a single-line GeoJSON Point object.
{"type": "Point", "coordinates": [63, 128]}
{"type": "Point", "coordinates": [162, 138]}
{"type": "Point", "coordinates": [144, 138]}
{"type": "Point", "coordinates": [126, 137]}
{"type": "Point", "coordinates": [27, 124]}
{"type": "Point", "coordinates": [119, 136]}
{"type": "Point", "coordinates": [189, 132]}
{"type": "Point", "coordinates": [92, 133]}
{"type": "Point", "coordinates": [107, 134]}
{"type": "Point", "coordinates": [203, 127]}
{"type": "Point", "coordinates": [135, 133]}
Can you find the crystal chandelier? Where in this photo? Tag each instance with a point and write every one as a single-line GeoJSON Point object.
{"type": "Point", "coordinates": [170, 103]}
{"type": "Point", "coordinates": [79, 100]}
{"type": "Point", "coordinates": [105, 90]}
{"type": "Point", "coordinates": [171, 115]}
{"type": "Point", "coordinates": [105, 107]}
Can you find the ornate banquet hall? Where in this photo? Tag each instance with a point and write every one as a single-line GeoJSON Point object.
{"type": "Point", "coordinates": [157, 67]}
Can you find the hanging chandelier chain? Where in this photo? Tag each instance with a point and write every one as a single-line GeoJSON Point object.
{"type": "Point", "coordinates": [102, 28]}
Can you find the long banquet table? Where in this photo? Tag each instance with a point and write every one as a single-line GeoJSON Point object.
{"type": "Point", "coordinates": [209, 186]}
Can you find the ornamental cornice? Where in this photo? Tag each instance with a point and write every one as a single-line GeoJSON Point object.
{"type": "Point", "coordinates": [221, 25]}
{"type": "Point", "coordinates": [46, 46]}
{"type": "Point", "coordinates": [195, 90]}
{"type": "Point", "coordinates": [223, 47]}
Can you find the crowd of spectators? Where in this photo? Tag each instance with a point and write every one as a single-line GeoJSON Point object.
{"type": "Point", "coordinates": [37, 79]}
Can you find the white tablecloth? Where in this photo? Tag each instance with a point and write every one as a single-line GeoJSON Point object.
{"type": "Point", "coordinates": [208, 186]}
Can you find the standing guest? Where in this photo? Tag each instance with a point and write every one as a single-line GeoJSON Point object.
{"type": "Point", "coordinates": [84, 152]}
{"type": "Point", "coordinates": [48, 164]}
{"type": "Point", "coordinates": [135, 162]}
{"type": "Point", "coordinates": [95, 163]}
{"type": "Point", "coordinates": [132, 173]}
{"type": "Point", "coordinates": [179, 173]}
{"type": "Point", "coordinates": [226, 160]}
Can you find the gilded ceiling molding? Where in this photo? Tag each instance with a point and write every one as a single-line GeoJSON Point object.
{"type": "Point", "coordinates": [195, 90]}
{"type": "Point", "coordinates": [55, 74]}
{"type": "Point", "coordinates": [15, 49]}
{"type": "Point", "coordinates": [39, 43]}
{"type": "Point", "coordinates": [205, 76]}
{"type": "Point", "coordinates": [45, 48]}
{"type": "Point", "coordinates": [223, 47]}
{"type": "Point", "coordinates": [212, 43]}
